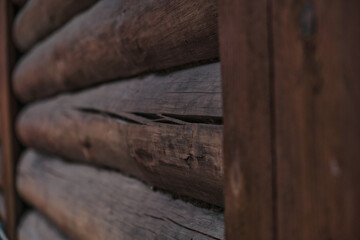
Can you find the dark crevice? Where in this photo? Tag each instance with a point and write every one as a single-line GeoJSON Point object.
{"type": "Point", "coordinates": [196, 119]}
{"type": "Point", "coordinates": [137, 117]}
{"type": "Point", "coordinates": [150, 116]}
{"type": "Point", "coordinates": [108, 114]}
{"type": "Point", "coordinates": [166, 121]}
{"type": "Point", "coordinates": [272, 118]}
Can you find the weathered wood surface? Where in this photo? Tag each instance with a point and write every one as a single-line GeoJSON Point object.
{"type": "Point", "coordinates": [149, 128]}
{"type": "Point", "coordinates": [39, 18]}
{"type": "Point", "coordinates": [119, 38]}
{"type": "Point", "coordinates": [2, 207]}
{"type": "Point", "coordinates": [317, 89]}
{"type": "Point", "coordinates": [35, 226]}
{"type": "Point", "coordinates": [247, 120]}
{"type": "Point", "coordinates": [89, 203]}
{"type": "Point", "coordinates": [8, 108]}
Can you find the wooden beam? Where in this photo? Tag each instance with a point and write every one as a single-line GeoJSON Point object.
{"type": "Point", "coordinates": [244, 54]}
{"type": "Point", "coordinates": [117, 39]}
{"type": "Point", "coordinates": [35, 226]}
{"type": "Point", "coordinates": [10, 147]}
{"type": "Point", "coordinates": [89, 204]}
{"type": "Point", "coordinates": [40, 18]}
{"type": "Point", "coordinates": [317, 86]}
{"type": "Point", "coordinates": [165, 130]}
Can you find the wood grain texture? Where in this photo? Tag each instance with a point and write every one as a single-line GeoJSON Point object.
{"type": "Point", "coordinates": [247, 122]}
{"type": "Point", "coordinates": [88, 203]}
{"type": "Point", "coordinates": [317, 110]}
{"type": "Point", "coordinates": [39, 18]}
{"type": "Point", "coordinates": [116, 39]}
{"type": "Point", "coordinates": [149, 128]}
{"type": "Point", "coordinates": [35, 226]}
{"type": "Point", "coordinates": [8, 108]}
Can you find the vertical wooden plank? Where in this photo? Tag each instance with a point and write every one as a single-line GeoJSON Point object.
{"type": "Point", "coordinates": [10, 147]}
{"type": "Point", "coordinates": [245, 54]}
{"type": "Point", "coordinates": [317, 86]}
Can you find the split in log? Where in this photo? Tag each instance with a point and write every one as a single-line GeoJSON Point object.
{"type": "Point", "coordinates": [34, 226]}
{"type": "Point", "coordinates": [2, 207]}
{"type": "Point", "coordinates": [39, 18]}
{"type": "Point", "coordinates": [89, 203]}
{"type": "Point", "coordinates": [148, 128]}
{"type": "Point", "coordinates": [116, 39]}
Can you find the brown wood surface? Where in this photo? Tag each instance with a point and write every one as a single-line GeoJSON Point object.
{"type": "Point", "coordinates": [39, 18]}
{"type": "Point", "coordinates": [244, 57]}
{"type": "Point", "coordinates": [149, 128]}
{"type": "Point", "coordinates": [35, 226]}
{"type": "Point", "coordinates": [1, 170]}
{"type": "Point", "coordinates": [10, 147]}
{"type": "Point", "coordinates": [2, 208]}
{"type": "Point", "coordinates": [119, 38]}
{"type": "Point", "coordinates": [317, 86]}
{"type": "Point", "coordinates": [89, 203]}
{"type": "Point", "coordinates": [19, 2]}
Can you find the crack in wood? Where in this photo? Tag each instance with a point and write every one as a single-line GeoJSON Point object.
{"type": "Point", "coordinates": [153, 118]}
{"type": "Point", "coordinates": [191, 229]}
{"type": "Point", "coordinates": [212, 120]}
{"type": "Point", "coordinates": [121, 118]}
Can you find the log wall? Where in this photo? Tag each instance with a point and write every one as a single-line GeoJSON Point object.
{"type": "Point", "coordinates": [106, 205]}
{"type": "Point", "coordinates": [165, 130]}
{"type": "Point", "coordinates": [39, 18]}
{"type": "Point", "coordinates": [119, 38]}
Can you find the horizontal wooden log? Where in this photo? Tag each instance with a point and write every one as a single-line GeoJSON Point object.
{"type": "Point", "coordinates": [39, 18]}
{"type": "Point", "coordinates": [88, 203]}
{"type": "Point", "coordinates": [116, 39]}
{"type": "Point", "coordinates": [149, 128]}
{"type": "Point", "coordinates": [2, 207]}
{"type": "Point", "coordinates": [35, 226]}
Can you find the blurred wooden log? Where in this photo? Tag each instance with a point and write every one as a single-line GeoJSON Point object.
{"type": "Point", "coordinates": [1, 169]}
{"type": "Point", "coordinates": [119, 38]}
{"type": "Point", "coordinates": [149, 128]}
{"type": "Point", "coordinates": [34, 226]}
{"type": "Point", "coordinates": [2, 207]}
{"type": "Point", "coordinates": [39, 18]}
{"type": "Point", "coordinates": [19, 2]}
{"type": "Point", "coordinates": [88, 203]}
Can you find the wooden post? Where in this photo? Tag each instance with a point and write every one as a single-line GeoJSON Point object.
{"type": "Point", "coordinates": [291, 119]}
{"type": "Point", "coordinates": [317, 86]}
{"type": "Point", "coordinates": [246, 77]}
{"type": "Point", "coordinates": [10, 147]}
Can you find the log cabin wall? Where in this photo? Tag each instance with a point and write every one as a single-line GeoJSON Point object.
{"type": "Point", "coordinates": [132, 128]}
{"type": "Point", "coordinates": [133, 108]}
